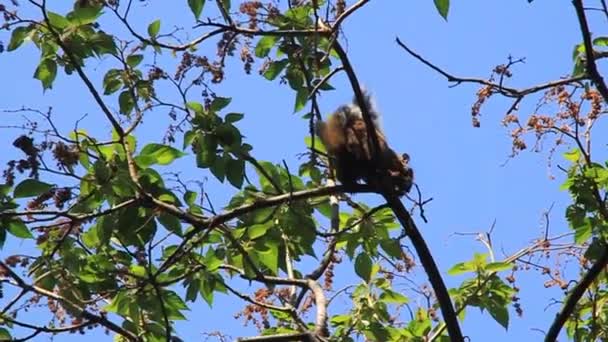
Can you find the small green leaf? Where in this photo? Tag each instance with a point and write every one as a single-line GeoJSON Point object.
{"type": "Point", "coordinates": [160, 154]}
{"type": "Point", "coordinates": [226, 4]}
{"type": "Point", "coordinates": [233, 117]}
{"type": "Point", "coordinates": [154, 28]}
{"type": "Point", "coordinates": [19, 229]}
{"type": "Point", "coordinates": [85, 15]}
{"type": "Point", "coordinates": [600, 41]}
{"type": "Point", "coordinates": [265, 44]}
{"type": "Point", "coordinates": [126, 102]}
{"type": "Point", "coordinates": [46, 73]}
{"type": "Point", "coordinates": [462, 267]}
{"type": "Point", "coordinates": [5, 335]}
{"type": "Point", "coordinates": [363, 266]}
{"type": "Point", "coordinates": [134, 60]}
{"type": "Point", "coordinates": [443, 7]}
{"type": "Point", "coordinates": [196, 107]}
{"type": "Point", "coordinates": [189, 137]}
{"type": "Point", "coordinates": [275, 68]}
{"type": "Point", "coordinates": [111, 86]}
{"type": "Point", "coordinates": [206, 150]}
{"type": "Point", "coordinates": [392, 297]}
{"type": "Point", "coordinates": [218, 168]}
{"type": "Point", "coordinates": [31, 188]}
{"type": "Point", "coordinates": [498, 266]}
{"type": "Point", "coordinates": [499, 313]}
{"type": "Point", "coordinates": [573, 156]}
{"type": "Point", "coordinates": [269, 256]}
{"type": "Point", "coordinates": [301, 99]}
{"type": "Point", "coordinates": [235, 172]}
{"type": "Point", "coordinates": [257, 230]}
{"type": "Point", "coordinates": [58, 21]}
{"type": "Point", "coordinates": [219, 103]}
{"type": "Point", "coordinates": [190, 197]}
{"type": "Point", "coordinates": [196, 6]}
{"type": "Point", "coordinates": [18, 37]}
{"type": "Point", "coordinates": [171, 222]}
{"type": "Point", "coordinates": [228, 135]}
{"type": "Point", "coordinates": [392, 247]}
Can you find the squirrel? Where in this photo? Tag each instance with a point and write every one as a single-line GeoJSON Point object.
{"type": "Point", "coordinates": [346, 140]}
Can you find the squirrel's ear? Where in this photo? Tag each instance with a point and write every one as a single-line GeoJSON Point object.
{"type": "Point", "coordinates": [406, 157]}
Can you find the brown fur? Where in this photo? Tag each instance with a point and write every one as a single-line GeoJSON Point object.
{"type": "Point", "coordinates": [346, 141]}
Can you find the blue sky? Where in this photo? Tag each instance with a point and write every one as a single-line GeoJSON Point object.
{"type": "Point", "coordinates": [461, 167]}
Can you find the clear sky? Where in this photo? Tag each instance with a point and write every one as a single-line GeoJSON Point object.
{"type": "Point", "coordinates": [461, 167]}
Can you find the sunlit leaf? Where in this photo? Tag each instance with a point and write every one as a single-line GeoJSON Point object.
{"type": "Point", "coordinates": [154, 28]}
{"type": "Point", "coordinates": [196, 6]}
{"type": "Point", "coordinates": [363, 266]}
{"type": "Point", "coordinates": [443, 7]}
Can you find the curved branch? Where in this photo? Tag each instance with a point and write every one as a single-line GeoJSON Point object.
{"type": "Point", "coordinates": [575, 296]}
{"type": "Point", "coordinates": [591, 67]}
{"type": "Point", "coordinates": [428, 263]}
{"type": "Point", "coordinates": [506, 91]}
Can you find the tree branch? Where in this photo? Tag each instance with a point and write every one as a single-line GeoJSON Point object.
{"type": "Point", "coordinates": [428, 263]}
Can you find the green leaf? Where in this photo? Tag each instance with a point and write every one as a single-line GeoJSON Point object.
{"type": "Point", "coordinates": [58, 21]}
{"type": "Point", "coordinates": [102, 43]}
{"type": "Point", "coordinates": [112, 81]}
{"type": "Point", "coordinates": [228, 135]}
{"type": "Point", "coordinates": [498, 266]}
{"type": "Point", "coordinates": [19, 229]}
{"type": "Point", "coordinates": [226, 4]}
{"type": "Point", "coordinates": [301, 99]}
{"type": "Point", "coordinates": [196, 107]}
{"type": "Point", "coordinates": [101, 172]}
{"type": "Point", "coordinates": [600, 41]}
{"type": "Point", "coordinates": [443, 7]}
{"type": "Point", "coordinates": [18, 37]}
{"type": "Point", "coordinates": [269, 256]}
{"type": "Point", "coordinates": [499, 313]}
{"type": "Point", "coordinates": [126, 102]}
{"type": "Point", "coordinates": [154, 28]}
{"type": "Point", "coordinates": [190, 197]}
{"type": "Point", "coordinates": [5, 335]}
{"type": "Point", "coordinates": [90, 238]}
{"type": "Point", "coordinates": [85, 15]}
{"type": "Point", "coordinates": [462, 267]}
{"type": "Point", "coordinates": [120, 304]}
{"type": "Point", "coordinates": [134, 60]}
{"type": "Point", "coordinates": [275, 68]}
{"type": "Point", "coordinates": [206, 150]}
{"type": "Point", "coordinates": [31, 188]}
{"type": "Point", "coordinates": [392, 247]}
{"type": "Point", "coordinates": [46, 73]}
{"type": "Point", "coordinates": [363, 266]}
{"type": "Point", "coordinates": [159, 154]}
{"type": "Point", "coordinates": [257, 230]}
{"type": "Point", "coordinates": [392, 297]}
{"type": "Point", "coordinates": [235, 172]}
{"type": "Point", "coordinates": [219, 103]}
{"type": "Point", "coordinates": [233, 117]}
{"type": "Point", "coordinates": [111, 86]}
{"type": "Point", "coordinates": [265, 44]}
{"type": "Point", "coordinates": [171, 222]}
{"type": "Point", "coordinates": [573, 156]}
{"type": "Point", "coordinates": [189, 137]}
{"type": "Point", "coordinates": [196, 6]}
{"type": "Point", "coordinates": [218, 168]}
